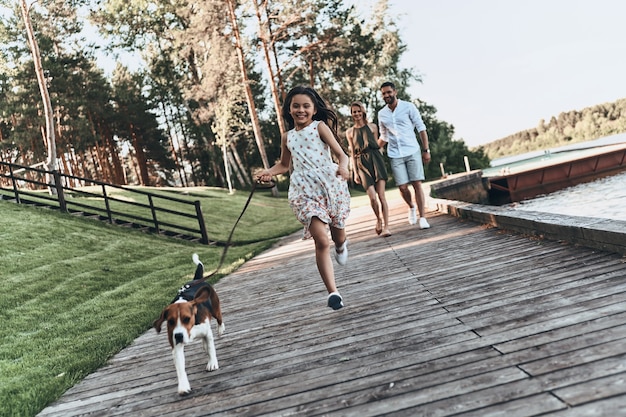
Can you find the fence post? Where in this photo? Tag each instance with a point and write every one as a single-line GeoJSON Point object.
{"type": "Point", "coordinates": [14, 182]}
{"type": "Point", "coordinates": [59, 187]}
{"type": "Point", "coordinates": [154, 216]}
{"type": "Point", "coordinates": [205, 236]}
{"type": "Point", "coordinates": [106, 203]}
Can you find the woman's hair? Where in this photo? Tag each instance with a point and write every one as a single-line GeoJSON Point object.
{"type": "Point", "coordinates": [362, 107]}
{"type": "Point", "coordinates": [324, 113]}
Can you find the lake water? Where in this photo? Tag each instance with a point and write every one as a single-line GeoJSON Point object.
{"type": "Point", "coordinates": [604, 198]}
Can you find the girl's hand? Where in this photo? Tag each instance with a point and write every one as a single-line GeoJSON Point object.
{"type": "Point", "coordinates": [357, 179]}
{"type": "Point", "coordinates": [343, 173]}
{"type": "Point", "coordinates": [264, 176]}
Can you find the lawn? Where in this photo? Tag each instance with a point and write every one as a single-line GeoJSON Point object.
{"type": "Point", "coordinates": [73, 291]}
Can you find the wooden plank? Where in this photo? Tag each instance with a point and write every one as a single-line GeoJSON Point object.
{"type": "Point", "coordinates": [603, 328]}
{"type": "Point", "coordinates": [616, 407]}
{"type": "Point", "coordinates": [608, 387]}
{"type": "Point", "coordinates": [574, 358]}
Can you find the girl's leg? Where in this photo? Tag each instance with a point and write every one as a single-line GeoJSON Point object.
{"type": "Point", "coordinates": [317, 228]}
{"type": "Point", "coordinates": [338, 236]}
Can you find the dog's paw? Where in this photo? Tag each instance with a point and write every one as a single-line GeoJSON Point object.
{"type": "Point", "coordinates": [220, 329]}
{"type": "Point", "coordinates": [184, 390]}
{"type": "Point", "coordinates": [212, 366]}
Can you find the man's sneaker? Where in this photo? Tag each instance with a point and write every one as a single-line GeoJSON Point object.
{"type": "Point", "coordinates": [412, 215]}
{"type": "Point", "coordinates": [342, 257]}
{"type": "Point", "coordinates": [335, 301]}
{"type": "Point", "coordinates": [423, 223]}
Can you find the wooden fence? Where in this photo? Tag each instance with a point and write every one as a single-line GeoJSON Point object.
{"type": "Point", "coordinates": [151, 211]}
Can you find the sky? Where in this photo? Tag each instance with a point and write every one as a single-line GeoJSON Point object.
{"type": "Point", "coordinates": [496, 67]}
{"type": "Point", "coordinates": [493, 68]}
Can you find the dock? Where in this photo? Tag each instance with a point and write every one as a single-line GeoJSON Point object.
{"type": "Point", "coordinates": [528, 178]}
{"type": "Point", "coordinates": [555, 172]}
{"type": "Point", "coordinates": [462, 319]}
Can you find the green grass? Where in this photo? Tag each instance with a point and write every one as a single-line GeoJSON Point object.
{"type": "Point", "coordinates": [73, 292]}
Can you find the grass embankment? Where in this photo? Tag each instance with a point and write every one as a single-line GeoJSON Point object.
{"type": "Point", "coordinates": [73, 291]}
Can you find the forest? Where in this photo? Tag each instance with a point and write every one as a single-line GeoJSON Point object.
{"type": "Point", "coordinates": [200, 103]}
{"type": "Point", "coordinates": [569, 127]}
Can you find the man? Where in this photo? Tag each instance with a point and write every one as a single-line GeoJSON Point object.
{"type": "Point", "coordinates": [397, 123]}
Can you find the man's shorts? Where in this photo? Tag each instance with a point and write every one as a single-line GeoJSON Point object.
{"type": "Point", "coordinates": [407, 169]}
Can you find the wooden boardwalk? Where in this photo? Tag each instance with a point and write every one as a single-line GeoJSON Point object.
{"type": "Point", "coordinates": [460, 319]}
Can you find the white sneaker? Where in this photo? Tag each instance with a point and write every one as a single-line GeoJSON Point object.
{"type": "Point", "coordinates": [342, 257]}
{"type": "Point", "coordinates": [412, 215]}
{"type": "Point", "coordinates": [423, 223]}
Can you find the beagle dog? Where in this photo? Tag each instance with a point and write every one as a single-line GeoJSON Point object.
{"type": "Point", "coordinates": [189, 317]}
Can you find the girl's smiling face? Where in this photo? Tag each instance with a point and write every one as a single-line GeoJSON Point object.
{"type": "Point", "coordinates": [302, 110]}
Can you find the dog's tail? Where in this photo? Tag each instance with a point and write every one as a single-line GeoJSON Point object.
{"type": "Point", "coordinates": [199, 268]}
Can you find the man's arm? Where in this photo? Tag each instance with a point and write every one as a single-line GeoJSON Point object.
{"type": "Point", "coordinates": [382, 132]}
{"type": "Point", "coordinates": [418, 123]}
{"type": "Point", "coordinates": [416, 118]}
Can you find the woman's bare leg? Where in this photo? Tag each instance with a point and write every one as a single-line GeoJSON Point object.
{"type": "Point", "coordinates": [380, 190]}
{"type": "Point", "coordinates": [371, 193]}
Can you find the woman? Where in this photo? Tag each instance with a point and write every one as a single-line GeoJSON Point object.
{"type": "Point", "coordinates": [368, 164]}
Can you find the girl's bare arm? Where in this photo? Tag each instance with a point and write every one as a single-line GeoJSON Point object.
{"type": "Point", "coordinates": [281, 166]}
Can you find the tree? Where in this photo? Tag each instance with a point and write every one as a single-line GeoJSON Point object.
{"type": "Point", "coordinates": [139, 128]}
{"type": "Point", "coordinates": [249, 96]}
{"type": "Point", "coordinates": [43, 88]}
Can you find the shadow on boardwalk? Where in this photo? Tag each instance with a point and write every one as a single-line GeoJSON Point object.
{"type": "Point", "coordinates": [459, 319]}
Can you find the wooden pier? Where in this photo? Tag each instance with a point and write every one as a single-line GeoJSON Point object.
{"type": "Point", "coordinates": [548, 175]}
{"type": "Point", "coordinates": [459, 319]}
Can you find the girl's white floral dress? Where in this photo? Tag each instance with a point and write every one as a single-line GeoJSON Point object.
{"type": "Point", "coordinates": [315, 189]}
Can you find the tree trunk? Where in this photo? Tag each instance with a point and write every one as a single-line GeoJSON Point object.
{"type": "Point", "coordinates": [43, 88]}
{"type": "Point", "coordinates": [118, 169]}
{"type": "Point", "coordinates": [249, 96]}
{"type": "Point", "coordinates": [144, 177]}
{"type": "Point", "coordinates": [232, 163]}
{"type": "Point", "coordinates": [272, 77]}
{"type": "Point", "coordinates": [102, 163]}
{"type": "Point", "coordinates": [185, 139]}
{"type": "Point", "coordinates": [227, 168]}
{"type": "Point", "coordinates": [174, 143]}
{"type": "Point", "coordinates": [239, 165]}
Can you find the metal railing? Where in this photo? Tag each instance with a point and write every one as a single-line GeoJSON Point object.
{"type": "Point", "coordinates": [151, 211]}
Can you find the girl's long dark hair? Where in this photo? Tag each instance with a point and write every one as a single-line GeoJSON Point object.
{"type": "Point", "coordinates": [324, 113]}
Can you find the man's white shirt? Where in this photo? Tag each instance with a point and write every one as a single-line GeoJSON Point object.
{"type": "Point", "coordinates": [397, 128]}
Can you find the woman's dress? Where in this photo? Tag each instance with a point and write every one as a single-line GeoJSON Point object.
{"type": "Point", "coordinates": [370, 164]}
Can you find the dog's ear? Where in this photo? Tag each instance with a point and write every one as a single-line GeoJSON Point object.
{"type": "Point", "coordinates": [159, 322]}
{"type": "Point", "coordinates": [202, 295]}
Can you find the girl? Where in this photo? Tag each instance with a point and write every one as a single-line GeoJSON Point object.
{"type": "Point", "coordinates": [368, 164]}
{"type": "Point", "coordinates": [318, 189]}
